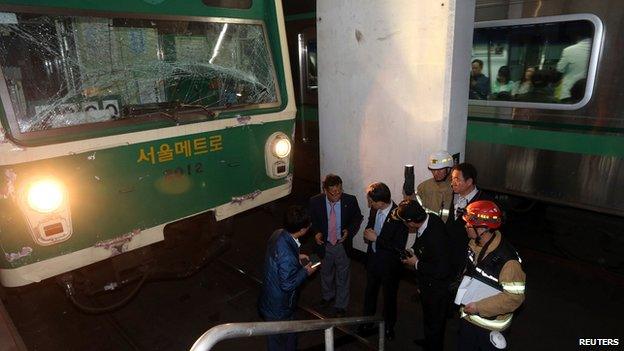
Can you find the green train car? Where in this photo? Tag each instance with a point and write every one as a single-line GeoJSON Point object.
{"type": "Point", "coordinates": [120, 117]}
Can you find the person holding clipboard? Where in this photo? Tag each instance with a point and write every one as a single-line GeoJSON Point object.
{"type": "Point", "coordinates": [493, 284]}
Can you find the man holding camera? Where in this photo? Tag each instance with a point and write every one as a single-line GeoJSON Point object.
{"type": "Point", "coordinates": [385, 237]}
{"type": "Point", "coordinates": [429, 256]}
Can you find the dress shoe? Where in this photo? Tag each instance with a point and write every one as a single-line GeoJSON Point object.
{"type": "Point", "coordinates": [340, 312]}
{"type": "Point", "coordinates": [389, 335]}
{"type": "Point", "coordinates": [419, 342]}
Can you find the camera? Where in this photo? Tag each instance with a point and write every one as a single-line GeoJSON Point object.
{"type": "Point", "coordinates": [407, 253]}
{"type": "Point", "coordinates": [460, 212]}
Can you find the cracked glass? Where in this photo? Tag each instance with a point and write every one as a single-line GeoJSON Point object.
{"type": "Point", "coordinates": [63, 71]}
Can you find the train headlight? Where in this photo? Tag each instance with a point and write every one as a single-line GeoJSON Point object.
{"type": "Point", "coordinates": [281, 147]}
{"type": "Point", "coordinates": [45, 196]}
{"type": "Point", "coordinates": [276, 151]}
{"type": "Point", "coordinates": [44, 202]}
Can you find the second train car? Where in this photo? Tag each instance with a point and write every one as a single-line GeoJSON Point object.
{"type": "Point", "coordinates": [560, 140]}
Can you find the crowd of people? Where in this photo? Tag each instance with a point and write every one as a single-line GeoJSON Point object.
{"type": "Point", "coordinates": [564, 83]}
{"type": "Point", "coordinates": [446, 233]}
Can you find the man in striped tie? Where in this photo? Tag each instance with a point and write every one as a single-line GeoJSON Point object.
{"type": "Point", "coordinates": [336, 217]}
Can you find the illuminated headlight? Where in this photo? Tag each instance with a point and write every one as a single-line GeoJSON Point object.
{"type": "Point", "coordinates": [45, 196]}
{"type": "Point", "coordinates": [281, 147]}
{"type": "Point", "coordinates": [276, 151]}
{"type": "Point", "coordinates": [44, 202]}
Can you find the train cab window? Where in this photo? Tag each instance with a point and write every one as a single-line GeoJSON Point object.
{"type": "Point", "coordinates": [77, 72]}
{"type": "Point", "coordinates": [232, 4]}
{"type": "Point", "coordinates": [547, 62]}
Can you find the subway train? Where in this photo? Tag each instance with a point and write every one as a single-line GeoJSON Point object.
{"type": "Point", "coordinates": [122, 118]}
{"type": "Point", "coordinates": [546, 145]}
{"type": "Point", "coordinates": [564, 143]}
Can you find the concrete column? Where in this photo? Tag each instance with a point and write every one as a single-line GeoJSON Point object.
{"type": "Point", "coordinates": [393, 87]}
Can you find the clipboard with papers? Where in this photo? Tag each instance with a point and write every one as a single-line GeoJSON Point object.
{"type": "Point", "coordinates": [471, 290]}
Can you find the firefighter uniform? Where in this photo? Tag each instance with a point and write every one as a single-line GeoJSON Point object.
{"type": "Point", "coordinates": [499, 267]}
{"type": "Point", "coordinates": [435, 197]}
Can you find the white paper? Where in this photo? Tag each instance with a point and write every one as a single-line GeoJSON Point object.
{"type": "Point", "coordinates": [471, 290]}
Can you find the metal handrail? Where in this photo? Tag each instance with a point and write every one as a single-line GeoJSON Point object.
{"type": "Point", "coordinates": [238, 330]}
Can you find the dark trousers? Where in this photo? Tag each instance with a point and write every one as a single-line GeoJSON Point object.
{"type": "Point", "coordinates": [434, 301]}
{"type": "Point", "coordinates": [389, 281]}
{"type": "Point", "coordinates": [474, 338]}
{"type": "Point", "coordinates": [281, 342]}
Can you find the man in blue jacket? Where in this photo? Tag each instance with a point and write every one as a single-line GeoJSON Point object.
{"type": "Point", "coordinates": [283, 275]}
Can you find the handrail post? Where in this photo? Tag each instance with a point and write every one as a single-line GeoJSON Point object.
{"type": "Point", "coordinates": [240, 330]}
{"type": "Point", "coordinates": [329, 339]}
{"type": "Point", "coordinates": [382, 335]}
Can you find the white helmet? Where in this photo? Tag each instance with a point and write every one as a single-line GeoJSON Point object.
{"type": "Point", "coordinates": [440, 159]}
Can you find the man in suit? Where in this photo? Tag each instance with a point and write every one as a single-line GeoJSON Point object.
{"type": "Point", "coordinates": [283, 274]}
{"type": "Point", "coordinates": [430, 258]}
{"type": "Point", "coordinates": [336, 218]}
{"type": "Point", "coordinates": [465, 191]}
{"type": "Point", "coordinates": [386, 238]}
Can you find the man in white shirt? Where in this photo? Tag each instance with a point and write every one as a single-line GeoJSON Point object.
{"type": "Point", "coordinates": [574, 63]}
{"type": "Point", "coordinates": [464, 184]}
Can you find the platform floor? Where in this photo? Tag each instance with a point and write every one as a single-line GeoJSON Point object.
{"type": "Point", "coordinates": [565, 301]}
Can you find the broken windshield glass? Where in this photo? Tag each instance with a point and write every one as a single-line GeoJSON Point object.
{"type": "Point", "coordinates": [65, 71]}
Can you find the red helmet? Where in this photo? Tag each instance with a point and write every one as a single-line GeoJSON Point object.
{"type": "Point", "coordinates": [483, 213]}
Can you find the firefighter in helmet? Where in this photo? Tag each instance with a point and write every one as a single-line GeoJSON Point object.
{"type": "Point", "coordinates": [435, 194]}
{"type": "Point", "coordinates": [493, 284]}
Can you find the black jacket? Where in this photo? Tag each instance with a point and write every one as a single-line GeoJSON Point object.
{"type": "Point", "coordinates": [390, 243]}
{"type": "Point", "coordinates": [432, 251]}
{"type": "Point", "coordinates": [457, 234]}
{"type": "Point", "coordinates": [350, 219]}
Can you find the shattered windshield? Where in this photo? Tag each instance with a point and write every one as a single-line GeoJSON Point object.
{"type": "Point", "coordinates": [65, 71]}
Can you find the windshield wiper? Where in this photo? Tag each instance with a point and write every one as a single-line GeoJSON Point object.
{"type": "Point", "coordinates": [169, 110]}
{"type": "Point", "coordinates": [150, 109]}
{"type": "Point", "coordinates": [211, 114]}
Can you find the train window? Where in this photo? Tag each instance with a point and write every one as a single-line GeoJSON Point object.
{"type": "Point", "coordinates": [233, 4]}
{"type": "Point", "coordinates": [65, 71]}
{"type": "Point", "coordinates": [547, 62]}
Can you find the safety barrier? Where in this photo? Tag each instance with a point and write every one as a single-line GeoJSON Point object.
{"type": "Point", "coordinates": [241, 330]}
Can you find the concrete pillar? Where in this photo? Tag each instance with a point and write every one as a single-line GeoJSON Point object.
{"type": "Point", "coordinates": [393, 87]}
